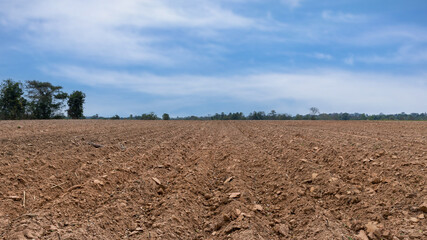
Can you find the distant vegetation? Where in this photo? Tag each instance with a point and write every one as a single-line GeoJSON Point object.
{"type": "Point", "coordinates": [273, 115]}
{"type": "Point", "coordinates": [313, 115]}
{"type": "Point", "coordinates": [166, 116]}
{"type": "Point", "coordinates": [42, 100]}
{"type": "Point", "coordinates": [38, 100]}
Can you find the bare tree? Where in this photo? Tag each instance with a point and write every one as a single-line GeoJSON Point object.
{"type": "Point", "coordinates": [313, 112]}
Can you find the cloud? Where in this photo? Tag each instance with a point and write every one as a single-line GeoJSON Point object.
{"type": "Point", "coordinates": [388, 35]}
{"type": "Point", "coordinates": [292, 3]}
{"type": "Point", "coordinates": [407, 54]}
{"type": "Point", "coordinates": [132, 31]}
{"type": "Point", "coordinates": [130, 13]}
{"type": "Point", "coordinates": [402, 56]}
{"type": "Point", "coordinates": [322, 56]}
{"type": "Point", "coordinates": [343, 17]}
{"type": "Point", "coordinates": [167, 33]}
{"type": "Point", "coordinates": [326, 88]}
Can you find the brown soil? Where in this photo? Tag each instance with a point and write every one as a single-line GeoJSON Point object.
{"type": "Point", "coordinates": [97, 179]}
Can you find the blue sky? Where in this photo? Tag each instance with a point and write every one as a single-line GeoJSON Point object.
{"type": "Point", "coordinates": [195, 57]}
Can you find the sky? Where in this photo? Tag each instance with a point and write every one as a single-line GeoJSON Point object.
{"type": "Point", "coordinates": [199, 57]}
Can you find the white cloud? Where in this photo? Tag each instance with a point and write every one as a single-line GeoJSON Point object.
{"type": "Point", "coordinates": [343, 17]}
{"type": "Point", "coordinates": [130, 31]}
{"type": "Point", "coordinates": [403, 55]}
{"type": "Point", "coordinates": [388, 36]}
{"type": "Point", "coordinates": [129, 13]}
{"type": "Point", "coordinates": [407, 54]}
{"type": "Point", "coordinates": [292, 3]}
{"type": "Point", "coordinates": [147, 32]}
{"type": "Point", "coordinates": [327, 89]}
{"type": "Point", "coordinates": [322, 56]}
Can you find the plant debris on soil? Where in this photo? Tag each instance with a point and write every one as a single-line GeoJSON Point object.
{"type": "Point", "coordinates": [213, 180]}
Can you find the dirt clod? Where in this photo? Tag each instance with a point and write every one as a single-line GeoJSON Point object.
{"type": "Point", "coordinates": [372, 229]}
{"type": "Point", "coordinates": [423, 207]}
{"type": "Point", "coordinates": [95, 145]}
{"type": "Point", "coordinates": [157, 181]}
{"type": "Point", "coordinates": [258, 207]}
{"type": "Point", "coordinates": [15, 198]}
{"type": "Point", "coordinates": [235, 195]}
{"type": "Point", "coordinates": [228, 180]}
{"type": "Point", "coordinates": [282, 229]}
{"type": "Point", "coordinates": [98, 182]}
{"type": "Point", "coordinates": [362, 235]}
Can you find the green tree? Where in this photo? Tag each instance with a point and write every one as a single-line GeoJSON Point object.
{"type": "Point", "coordinates": [345, 116]}
{"type": "Point", "coordinates": [299, 117]}
{"type": "Point", "coordinates": [272, 115]}
{"type": "Point", "coordinates": [75, 104]}
{"type": "Point", "coordinates": [45, 99]}
{"type": "Point", "coordinates": [115, 117]}
{"type": "Point", "coordinates": [12, 102]}
{"type": "Point", "coordinates": [256, 115]}
{"type": "Point", "coordinates": [165, 116]}
{"type": "Point", "coordinates": [149, 116]}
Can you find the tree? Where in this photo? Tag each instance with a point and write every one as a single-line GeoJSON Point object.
{"type": "Point", "coordinates": [12, 102]}
{"type": "Point", "coordinates": [46, 99]}
{"type": "Point", "coordinates": [237, 116]}
{"type": "Point", "coordinates": [313, 112]}
{"type": "Point", "coordinates": [257, 115]}
{"type": "Point", "coordinates": [149, 116]}
{"type": "Point", "coordinates": [345, 116]}
{"type": "Point", "coordinates": [75, 104]}
{"type": "Point", "coordinates": [165, 116]}
{"type": "Point", "coordinates": [272, 115]}
{"type": "Point", "coordinates": [115, 117]}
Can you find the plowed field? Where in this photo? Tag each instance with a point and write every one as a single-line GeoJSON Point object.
{"type": "Point", "coordinates": [95, 179]}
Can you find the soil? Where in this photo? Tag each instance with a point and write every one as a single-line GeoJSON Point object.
{"type": "Point", "coordinates": [102, 179]}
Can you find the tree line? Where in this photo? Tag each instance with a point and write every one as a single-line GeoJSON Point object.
{"type": "Point", "coordinates": [273, 115]}
{"type": "Point", "coordinates": [144, 116]}
{"type": "Point", "coordinates": [38, 100]}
